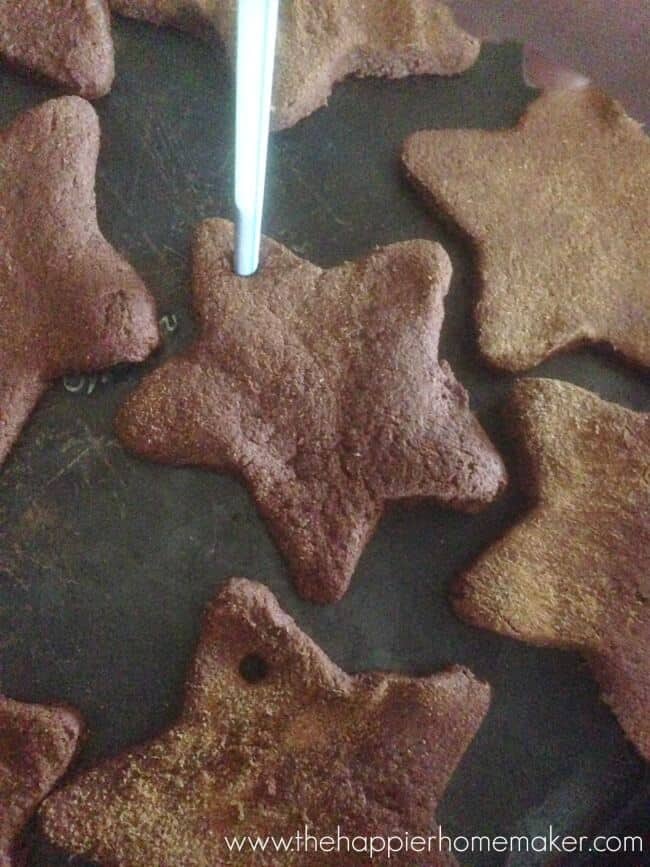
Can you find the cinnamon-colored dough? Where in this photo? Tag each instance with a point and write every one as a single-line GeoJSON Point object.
{"type": "Point", "coordinates": [68, 302]}
{"type": "Point", "coordinates": [575, 572]}
{"type": "Point", "coordinates": [37, 744]}
{"type": "Point", "coordinates": [299, 743]}
{"type": "Point", "coordinates": [557, 209]}
{"type": "Point", "coordinates": [321, 43]}
{"type": "Point", "coordinates": [322, 389]}
{"type": "Point", "coordinates": [66, 41]}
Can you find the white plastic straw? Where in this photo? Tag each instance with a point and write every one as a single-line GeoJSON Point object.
{"type": "Point", "coordinates": [257, 24]}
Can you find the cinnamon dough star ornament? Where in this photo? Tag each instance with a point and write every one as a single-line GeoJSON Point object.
{"type": "Point", "coordinates": [575, 572]}
{"type": "Point", "coordinates": [274, 738]}
{"type": "Point", "coordinates": [66, 41]}
{"type": "Point", "coordinates": [320, 44]}
{"type": "Point", "coordinates": [322, 389]}
{"type": "Point", "coordinates": [557, 209]}
{"type": "Point", "coordinates": [68, 302]}
{"type": "Point", "coordinates": [37, 744]}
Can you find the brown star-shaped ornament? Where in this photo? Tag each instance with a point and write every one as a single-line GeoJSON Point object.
{"type": "Point", "coordinates": [322, 389]}
{"type": "Point", "coordinates": [274, 738]}
{"type": "Point", "coordinates": [66, 41]}
{"type": "Point", "coordinates": [320, 44]}
{"type": "Point", "coordinates": [37, 745]}
{"type": "Point", "coordinates": [557, 209]}
{"type": "Point", "coordinates": [68, 302]}
{"type": "Point", "coordinates": [575, 572]}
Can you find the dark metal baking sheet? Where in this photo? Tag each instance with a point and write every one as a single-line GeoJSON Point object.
{"type": "Point", "coordinates": [106, 562]}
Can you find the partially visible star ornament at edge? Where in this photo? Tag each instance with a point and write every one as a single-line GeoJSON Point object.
{"type": "Point", "coordinates": [557, 209]}
{"type": "Point", "coordinates": [37, 745]}
{"type": "Point", "coordinates": [68, 302]}
{"type": "Point", "coordinates": [575, 572]}
{"type": "Point", "coordinates": [322, 389]}
{"type": "Point", "coordinates": [66, 41]}
{"type": "Point", "coordinates": [274, 738]}
{"type": "Point", "coordinates": [319, 44]}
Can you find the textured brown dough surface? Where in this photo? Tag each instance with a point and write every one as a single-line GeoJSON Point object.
{"type": "Point", "coordinates": [66, 41]}
{"type": "Point", "coordinates": [321, 389]}
{"type": "Point", "coordinates": [37, 744]}
{"type": "Point", "coordinates": [68, 302]}
{"type": "Point", "coordinates": [557, 209]}
{"type": "Point", "coordinates": [320, 44]}
{"type": "Point", "coordinates": [575, 573]}
{"type": "Point", "coordinates": [305, 744]}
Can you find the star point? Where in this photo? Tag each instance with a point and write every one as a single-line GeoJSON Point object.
{"type": "Point", "coordinates": [37, 745]}
{"type": "Point", "coordinates": [70, 46]}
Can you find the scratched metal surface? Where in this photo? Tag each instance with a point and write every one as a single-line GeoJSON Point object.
{"type": "Point", "coordinates": [107, 562]}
